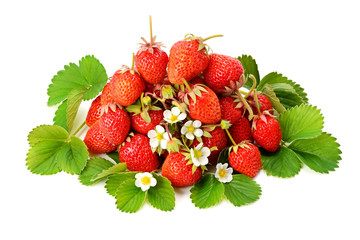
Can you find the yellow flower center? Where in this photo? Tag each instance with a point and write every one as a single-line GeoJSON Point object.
{"type": "Point", "coordinates": [191, 129]}
{"type": "Point", "coordinates": [145, 180]}
{"type": "Point", "coordinates": [173, 118]}
{"type": "Point", "coordinates": [197, 153]}
{"type": "Point", "coordinates": [159, 136]}
{"type": "Point", "coordinates": [222, 173]}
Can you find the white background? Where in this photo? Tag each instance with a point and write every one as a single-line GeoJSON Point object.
{"type": "Point", "coordinates": [315, 43]}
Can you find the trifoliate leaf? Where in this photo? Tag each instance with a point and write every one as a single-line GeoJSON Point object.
{"type": "Point", "coordinates": [94, 166]}
{"type": "Point", "coordinates": [72, 156]}
{"type": "Point", "coordinates": [114, 156]}
{"type": "Point", "coordinates": [274, 100]}
{"type": "Point", "coordinates": [162, 195]}
{"type": "Point", "coordinates": [41, 158]}
{"type": "Point", "coordinates": [47, 133]}
{"type": "Point", "coordinates": [114, 181]}
{"type": "Point", "coordinates": [60, 118]}
{"type": "Point", "coordinates": [250, 67]}
{"type": "Point", "coordinates": [304, 121]}
{"type": "Point", "coordinates": [286, 95]}
{"type": "Point", "coordinates": [90, 74]}
{"type": "Point", "coordinates": [73, 102]}
{"type": "Point", "coordinates": [321, 154]}
{"type": "Point", "coordinates": [242, 190]}
{"type": "Point", "coordinates": [207, 192]}
{"type": "Point", "coordinates": [129, 198]}
{"type": "Point", "coordinates": [283, 163]}
{"type": "Point", "coordinates": [117, 168]}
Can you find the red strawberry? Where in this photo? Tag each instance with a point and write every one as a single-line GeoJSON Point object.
{"type": "Point", "coordinates": [126, 87]}
{"type": "Point", "coordinates": [230, 110]}
{"type": "Point", "coordinates": [151, 64]}
{"type": "Point", "coordinates": [94, 112]}
{"type": "Point", "coordinates": [218, 140]}
{"type": "Point", "coordinates": [178, 172]}
{"type": "Point", "coordinates": [241, 130]}
{"type": "Point", "coordinates": [106, 97]}
{"type": "Point", "coordinates": [221, 71]}
{"type": "Point", "coordinates": [246, 159]}
{"type": "Point", "coordinates": [206, 108]}
{"type": "Point", "coordinates": [115, 125]}
{"type": "Point", "coordinates": [138, 155]}
{"type": "Point", "coordinates": [96, 141]}
{"type": "Point", "coordinates": [266, 132]}
{"type": "Point", "coordinates": [264, 103]}
{"type": "Point", "coordinates": [188, 58]}
{"type": "Point", "coordinates": [198, 80]}
{"type": "Point", "coordinates": [141, 126]}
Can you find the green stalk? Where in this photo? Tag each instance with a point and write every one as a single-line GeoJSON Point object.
{"type": "Point", "coordinates": [79, 128]}
{"type": "Point", "coordinates": [187, 84]}
{"type": "Point", "coordinates": [151, 36]}
{"type": "Point", "coordinates": [257, 102]}
{"type": "Point", "coordinates": [246, 104]}
{"type": "Point", "coordinates": [253, 85]}
{"type": "Point", "coordinates": [213, 36]}
{"type": "Point", "coordinates": [230, 137]}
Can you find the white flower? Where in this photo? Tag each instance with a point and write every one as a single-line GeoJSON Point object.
{"type": "Point", "coordinates": [174, 115]}
{"type": "Point", "coordinates": [158, 137]}
{"type": "Point", "coordinates": [223, 173]}
{"type": "Point", "coordinates": [199, 155]}
{"type": "Point", "coordinates": [192, 128]}
{"type": "Point", "coordinates": [145, 181]}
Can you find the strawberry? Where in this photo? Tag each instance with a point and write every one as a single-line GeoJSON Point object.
{"type": "Point", "coordinates": [179, 173]}
{"type": "Point", "coordinates": [94, 112]}
{"type": "Point", "coordinates": [138, 155]}
{"type": "Point", "coordinates": [198, 80]}
{"type": "Point", "coordinates": [115, 125]}
{"type": "Point", "coordinates": [230, 109]}
{"type": "Point", "coordinates": [246, 159]}
{"type": "Point", "coordinates": [96, 140]}
{"type": "Point", "coordinates": [218, 140]}
{"type": "Point", "coordinates": [126, 87]}
{"type": "Point", "coordinates": [241, 130]}
{"type": "Point", "coordinates": [266, 132]}
{"type": "Point", "coordinates": [106, 97]}
{"type": "Point", "coordinates": [188, 58]}
{"type": "Point", "coordinates": [206, 108]}
{"type": "Point", "coordinates": [221, 71]}
{"type": "Point", "coordinates": [141, 126]}
{"type": "Point", "coordinates": [264, 102]}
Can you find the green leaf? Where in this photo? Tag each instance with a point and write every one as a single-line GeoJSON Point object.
{"type": "Point", "coordinates": [73, 102]}
{"type": "Point", "coordinates": [321, 154]}
{"type": "Point", "coordinates": [271, 95]}
{"type": "Point", "coordinates": [60, 116]}
{"type": "Point", "coordinates": [114, 156]}
{"type": "Point", "coordinates": [72, 156]}
{"type": "Point", "coordinates": [283, 163]}
{"type": "Point", "coordinates": [224, 156]}
{"type": "Point", "coordinates": [41, 158]}
{"type": "Point", "coordinates": [93, 167]}
{"type": "Point", "coordinates": [129, 198]}
{"type": "Point", "coordinates": [242, 190]}
{"type": "Point", "coordinates": [277, 78]}
{"type": "Point", "coordinates": [207, 192]}
{"type": "Point", "coordinates": [114, 181]}
{"type": "Point", "coordinates": [90, 74]}
{"type": "Point", "coordinates": [304, 121]}
{"type": "Point", "coordinates": [47, 133]}
{"type": "Point", "coordinates": [287, 95]}
{"type": "Point", "coordinates": [120, 167]}
{"type": "Point", "coordinates": [250, 67]}
{"type": "Point", "coordinates": [162, 195]}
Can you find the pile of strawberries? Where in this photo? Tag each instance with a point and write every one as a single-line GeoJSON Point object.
{"type": "Point", "coordinates": [178, 112]}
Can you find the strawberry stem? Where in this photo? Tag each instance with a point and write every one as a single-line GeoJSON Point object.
{"type": "Point", "coordinates": [230, 137]}
{"type": "Point", "coordinates": [142, 102]}
{"type": "Point", "coordinates": [213, 36]}
{"type": "Point", "coordinates": [253, 85]}
{"type": "Point", "coordinates": [151, 36]}
{"type": "Point", "coordinates": [257, 102]}
{"type": "Point", "coordinates": [133, 62]}
{"type": "Point", "coordinates": [187, 84]}
{"type": "Point", "coordinates": [79, 128]}
{"type": "Point", "coordinates": [167, 131]}
{"type": "Point", "coordinates": [246, 104]}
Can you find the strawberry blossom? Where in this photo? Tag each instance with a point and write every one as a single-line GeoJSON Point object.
{"type": "Point", "coordinates": [173, 116]}
{"type": "Point", "coordinates": [199, 155]}
{"type": "Point", "coordinates": [191, 129]}
{"type": "Point", "coordinates": [223, 173]}
{"type": "Point", "coordinates": [145, 181]}
{"type": "Point", "coordinates": [158, 137]}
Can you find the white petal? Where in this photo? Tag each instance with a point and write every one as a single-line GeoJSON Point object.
{"type": "Point", "coordinates": [138, 182]}
{"type": "Point", "coordinates": [228, 178]}
{"type": "Point", "coordinates": [195, 162]}
{"type": "Point", "coordinates": [166, 136]}
{"type": "Point", "coordinates": [199, 146]}
{"type": "Point", "coordinates": [198, 132]}
{"type": "Point", "coordinates": [167, 114]}
{"type": "Point", "coordinates": [217, 175]}
{"type": "Point", "coordinates": [205, 151]}
{"type": "Point", "coordinates": [197, 124]}
{"type": "Point", "coordinates": [145, 187]}
{"type": "Point", "coordinates": [154, 142]}
{"type": "Point", "coordinates": [139, 176]}
{"type": "Point", "coordinates": [192, 153]}
{"type": "Point", "coordinates": [175, 111]}
{"type": "Point", "coordinates": [182, 116]}
{"type": "Point", "coordinates": [152, 134]}
{"type": "Point", "coordinates": [163, 144]}
{"type": "Point", "coordinates": [184, 130]}
{"type": "Point", "coordinates": [229, 171]}
{"type": "Point", "coordinates": [153, 182]}
{"type": "Point", "coordinates": [218, 167]}
{"type": "Point", "coordinates": [159, 129]}
{"type": "Point", "coordinates": [147, 174]}
{"type": "Point", "coordinates": [203, 160]}
{"type": "Point", "coordinates": [189, 136]}
{"type": "Point", "coordinates": [188, 123]}
{"type": "Point", "coordinates": [225, 165]}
